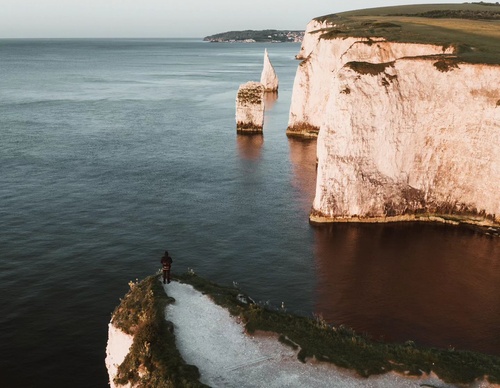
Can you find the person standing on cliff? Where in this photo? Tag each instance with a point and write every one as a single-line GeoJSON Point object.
{"type": "Point", "coordinates": [166, 263]}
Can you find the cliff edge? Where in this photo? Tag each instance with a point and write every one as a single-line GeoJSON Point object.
{"type": "Point", "coordinates": [408, 126]}
{"type": "Point", "coordinates": [194, 333]}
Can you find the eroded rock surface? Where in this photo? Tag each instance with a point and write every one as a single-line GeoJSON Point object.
{"type": "Point", "coordinates": [268, 77]}
{"type": "Point", "coordinates": [406, 131]}
{"type": "Point", "coordinates": [250, 108]}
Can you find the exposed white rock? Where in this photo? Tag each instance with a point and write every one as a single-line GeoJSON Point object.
{"type": "Point", "coordinates": [118, 346]}
{"type": "Point", "coordinates": [417, 135]}
{"type": "Point", "coordinates": [403, 130]}
{"type": "Point", "coordinates": [227, 357]}
{"type": "Point", "coordinates": [250, 108]}
{"type": "Point", "coordinates": [323, 58]}
{"type": "Point", "coordinates": [268, 78]}
{"type": "Point", "coordinates": [208, 336]}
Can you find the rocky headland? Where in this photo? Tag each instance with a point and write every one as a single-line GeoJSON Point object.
{"type": "Point", "coordinates": [194, 333]}
{"type": "Point", "coordinates": [256, 36]}
{"type": "Point", "coordinates": [408, 126]}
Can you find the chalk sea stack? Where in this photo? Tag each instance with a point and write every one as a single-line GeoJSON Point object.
{"type": "Point", "coordinates": [250, 108]}
{"type": "Point", "coordinates": [268, 77]}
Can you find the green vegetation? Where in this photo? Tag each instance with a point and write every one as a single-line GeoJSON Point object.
{"type": "Point", "coordinates": [472, 28]}
{"type": "Point", "coordinates": [275, 36]}
{"type": "Point", "coordinates": [314, 338]}
{"type": "Point", "coordinates": [154, 360]}
{"type": "Point", "coordinates": [446, 64]}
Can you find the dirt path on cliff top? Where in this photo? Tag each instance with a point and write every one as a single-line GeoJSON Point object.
{"type": "Point", "coordinates": [208, 337]}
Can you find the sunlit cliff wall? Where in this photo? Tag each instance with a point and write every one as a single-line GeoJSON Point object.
{"type": "Point", "coordinates": [405, 131]}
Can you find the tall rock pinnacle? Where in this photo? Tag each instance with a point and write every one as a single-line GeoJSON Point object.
{"type": "Point", "coordinates": [268, 77]}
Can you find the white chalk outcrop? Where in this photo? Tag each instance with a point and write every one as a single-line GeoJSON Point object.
{"type": "Point", "coordinates": [321, 59]}
{"type": "Point", "coordinates": [405, 131]}
{"type": "Point", "coordinates": [117, 348]}
{"type": "Point", "coordinates": [414, 136]}
{"type": "Point", "coordinates": [250, 108]}
{"type": "Point", "coordinates": [268, 77]}
{"type": "Point", "coordinates": [209, 337]}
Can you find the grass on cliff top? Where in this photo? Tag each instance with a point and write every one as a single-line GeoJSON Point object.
{"type": "Point", "coordinates": [473, 28]}
{"type": "Point", "coordinates": [314, 338]}
{"type": "Point", "coordinates": [154, 360]}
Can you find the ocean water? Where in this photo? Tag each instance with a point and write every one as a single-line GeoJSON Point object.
{"type": "Point", "coordinates": [112, 151]}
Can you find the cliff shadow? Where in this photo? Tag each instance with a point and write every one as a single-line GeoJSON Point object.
{"type": "Point", "coordinates": [303, 160]}
{"type": "Point", "coordinates": [432, 284]}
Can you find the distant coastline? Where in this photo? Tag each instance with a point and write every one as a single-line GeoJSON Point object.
{"type": "Point", "coordinates": [257, 36]}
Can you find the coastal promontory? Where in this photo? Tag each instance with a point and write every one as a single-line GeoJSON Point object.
{"type": "Point", "coordinates": [256, 36]}
{"type": "Point", "coordinates": [406, 107]}
{"type": "Point", "coordinates": [195, 333]}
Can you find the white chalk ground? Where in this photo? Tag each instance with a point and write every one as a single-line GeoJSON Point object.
{"type": "Point", "coordinates": [118, 346]}
{"type": "Point", "coordinates": [208, 337]}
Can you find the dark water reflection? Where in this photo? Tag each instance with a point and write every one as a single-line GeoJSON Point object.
{"type": "Point", "coordinates": [250, 146]}
{"type": "Point", "coordinates": [303, 161]}
{"type": "Point", "coordinates": [433, 284]}
{"type": "Point", "coordinates": [270, 99]}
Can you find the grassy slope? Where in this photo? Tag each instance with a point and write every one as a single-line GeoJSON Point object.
{"type": "Point", "coordinates": [478, 40]}
{"type": "Point", "coordinates": [154, 360]}
{"type": "Point", "coordinates": [345, 348]}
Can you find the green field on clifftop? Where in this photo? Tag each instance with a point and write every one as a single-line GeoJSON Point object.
{"type": "Point", "coordinates": [474, 28]}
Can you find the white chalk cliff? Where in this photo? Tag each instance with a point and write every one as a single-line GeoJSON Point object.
{"type": "Point", "coordinates": [405, 130]}
{"type": "Point", "coordinates": [321, 59]}
{"type": "Point", "coordinates": [268, 77]}
{"type": "Point", "coordinates": [117, 348]}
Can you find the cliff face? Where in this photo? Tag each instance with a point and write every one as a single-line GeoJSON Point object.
{"type": "Point", "coordinates": [117, 348]}
{"type": "Point", "coordinates": [323, 58]}
{"type": "Point", "coordinates": [406, 131]}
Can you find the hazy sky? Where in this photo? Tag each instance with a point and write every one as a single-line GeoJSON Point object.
{"type": "Point", "coordinates": [164, 18]}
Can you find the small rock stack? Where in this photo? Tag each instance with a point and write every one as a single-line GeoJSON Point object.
{"type": "Point", "coordinates": [250, 108]}
{"type": "Point", "coordinates": [250, 99]}
{"type": "Point", "coordinates": [268, 78]}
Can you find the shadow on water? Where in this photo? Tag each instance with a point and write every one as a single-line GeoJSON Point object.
{"type": "Point", "coordinates": [434, 284]}
{"type": "Point", "coordinates": [303, 161]}
{"type": "Point", "coordinates": [431, 283]}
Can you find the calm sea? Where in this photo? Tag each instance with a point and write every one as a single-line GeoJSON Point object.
{"type": "Point", "coordinates": [112, 151]}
